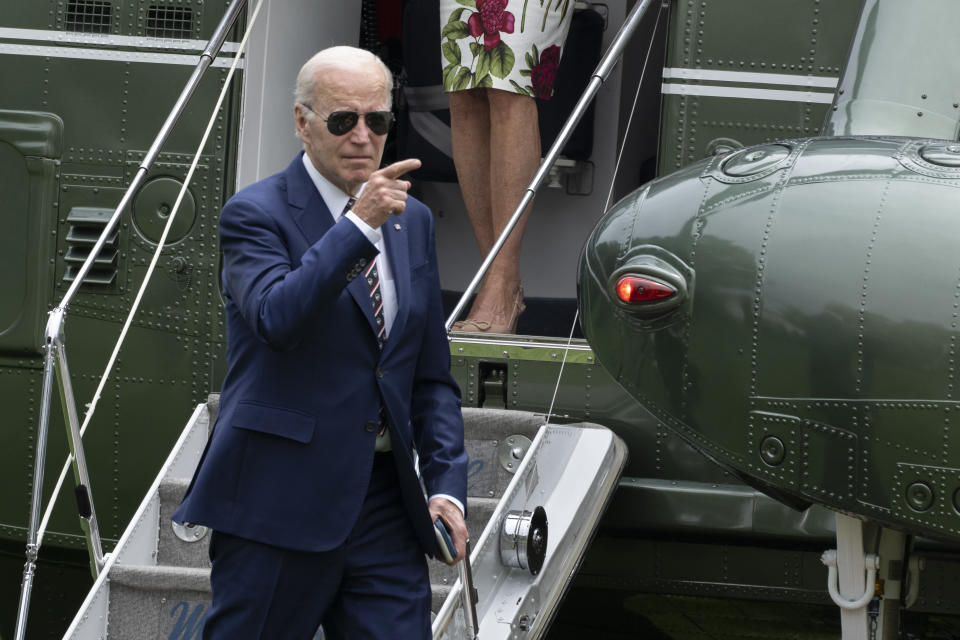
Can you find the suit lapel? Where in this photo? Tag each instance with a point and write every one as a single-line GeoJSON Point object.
{"type": "Point", "coordinates": [398, 253]}
{"type": "Point", "coordinates": [361, 295]}
{"type": "Point", "coordinates": [307, 208]}
{"type": "Point", "coordinates": [313, 218]}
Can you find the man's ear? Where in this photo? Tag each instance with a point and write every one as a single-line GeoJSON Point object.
{"type": "Point", "coordinates": [299, 119]}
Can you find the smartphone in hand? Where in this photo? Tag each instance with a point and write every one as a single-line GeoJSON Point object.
{"type": "Point", "coordinates": [448, 551]}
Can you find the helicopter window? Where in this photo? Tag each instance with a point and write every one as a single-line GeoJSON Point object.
{"type": "Point", "coordinates": [89, 16]}
{"type": "Point", "coordinates": [169, 22]}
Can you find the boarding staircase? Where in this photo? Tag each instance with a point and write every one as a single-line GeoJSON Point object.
{"type": "Point", "coordinates": [156, 582]}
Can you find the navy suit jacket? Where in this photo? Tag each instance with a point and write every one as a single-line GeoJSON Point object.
{"type": "Point", "coordinates": [290, 457]}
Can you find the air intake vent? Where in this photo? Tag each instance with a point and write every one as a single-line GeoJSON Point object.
{"type": "Point", "coordinates": [169, 22]}
{"type": "Point", "coordinates": [89, 16]}
{"type": "Point", "coordinates": [86, 225]}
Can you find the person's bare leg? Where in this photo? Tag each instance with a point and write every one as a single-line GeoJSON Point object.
{"type": "Point", "coordinates": [470, 133]}
{"type": "Point", "coordinates": [514, 159]}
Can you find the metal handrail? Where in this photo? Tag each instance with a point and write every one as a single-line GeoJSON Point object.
{"type": "Point", "coordinates": [609, 60]}
{"type": "Point", "coordinates": [54, 347]}
{"type": "Point", "coordinates": [468, 595]}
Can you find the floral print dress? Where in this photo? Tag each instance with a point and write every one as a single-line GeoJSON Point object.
{"type": "Point", "coordinates": [513, 45]}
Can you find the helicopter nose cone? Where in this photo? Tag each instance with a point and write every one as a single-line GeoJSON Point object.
{"type": "Point", "coordinates": [791, 310]}
{"type": "Point", "coordinates": [633, 285]}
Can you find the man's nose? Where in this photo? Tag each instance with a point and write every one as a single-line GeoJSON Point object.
{"type": "Point", "coordinates": [361, 133]}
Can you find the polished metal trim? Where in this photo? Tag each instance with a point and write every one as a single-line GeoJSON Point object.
{"type": "Point", "coordinates": [468, 595]}
{"type": "Point", "coordinates": [81, 475]}
{"type": "Point", "coordinates": [515, 341]}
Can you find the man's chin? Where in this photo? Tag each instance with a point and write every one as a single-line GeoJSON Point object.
{"type": "Point", "coordinates": [357, 175]}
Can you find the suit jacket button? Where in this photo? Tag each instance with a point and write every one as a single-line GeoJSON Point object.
{"type": "Point", "coordinates": [379, 372]}
{"type": "Point", "coordinates": [371, 426]}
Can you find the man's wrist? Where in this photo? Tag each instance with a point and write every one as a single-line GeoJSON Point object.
{"type": "Point", "coordinates": [453, 500]}
{"type": "Point", "coordinates": [371, 234]}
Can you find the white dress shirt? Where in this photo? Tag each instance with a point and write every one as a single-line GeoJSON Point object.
{"type": "Point", "coordinates": [336, 200]}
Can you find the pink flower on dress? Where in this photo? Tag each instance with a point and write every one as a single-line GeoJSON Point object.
{"type": "Point", "coordinates": [490, 19]}
{"type": "Point", "coordinates": [544, 72]}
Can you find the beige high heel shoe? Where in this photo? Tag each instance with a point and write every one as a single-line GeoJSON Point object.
{"type": "Point", "coordinates": [511, 325]}
{"type": "Point", "coordinates": [484, 326]}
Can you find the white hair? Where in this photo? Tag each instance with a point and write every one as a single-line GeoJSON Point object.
{"type": "Point", "coordinates": [348, 58]}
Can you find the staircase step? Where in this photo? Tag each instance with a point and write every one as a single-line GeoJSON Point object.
{"type": "Point", "coordinates": [171, 549]}
{"type": "Point", "coordinates": [157, 601]}
{"type": "Point", "coordinates": [439, 595]}
{"type": "Point", "coordinates": [160, 577]}
{"type": "Point", "coordinates": [166, 598]}
{"type": "Point", "coordinates": [486, 432]}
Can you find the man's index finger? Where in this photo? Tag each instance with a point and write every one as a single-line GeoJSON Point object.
{"type": "Point", "coordinates": [400, 167]}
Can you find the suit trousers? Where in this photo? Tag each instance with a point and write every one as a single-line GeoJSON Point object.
{"type": "Point", "coordinates": [374, 586]}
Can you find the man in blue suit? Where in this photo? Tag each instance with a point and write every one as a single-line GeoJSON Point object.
{"type": "Point", "coordinates": [338, 376]}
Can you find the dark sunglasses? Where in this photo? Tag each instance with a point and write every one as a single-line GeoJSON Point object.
{"type": "Point", "coordinates": [342, 122]}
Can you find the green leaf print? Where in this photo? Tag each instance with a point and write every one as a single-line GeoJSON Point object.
{"type": "Point", "coordinates": [525, 72]}
{"type": "Point", "coordinates": [476, 48]}
{"type": "Point", "coordinates": [449, 72]}
{"type": "Point", "coordinates": [486, 81]}
{"type": "Point", "coordinates": [484, 59]}
{"type": "Point", "coordinates": [502, 60]}
{"type": "Point", "coordinates": [455, 30]}
{"type": "Point", "coordinates": [456, 15]}
{"type": "Point", "coordinates": [519, 89]}
{"type": "Point", "coordinates": [451, 51]}
{"type": "Point", "coordinates": [529, 59]}
{"type": "Point", "coordinates": [462, 79]}
{"type": "Point", "coordinates": [468, 3]}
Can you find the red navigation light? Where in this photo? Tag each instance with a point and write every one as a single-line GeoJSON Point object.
{"type": "Point", "coordinates": [637, 289]}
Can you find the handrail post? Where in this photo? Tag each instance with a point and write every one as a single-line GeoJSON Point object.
{"type": "Point", "coordinates": [603, 70]}
{"type": "Point", "coordinates": [469, 596]}
{"type": "Point", "coordinates": [43, 428]}
{"type": "Point", "coordinates": [88, 515]}
{"type": "Point", "coordinates": [54, 346]}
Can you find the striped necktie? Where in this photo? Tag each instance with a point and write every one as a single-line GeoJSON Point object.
{"type": "Point", "coordinates": [376, 300]}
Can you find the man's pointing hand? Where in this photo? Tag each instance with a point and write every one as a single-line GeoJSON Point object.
{"type": "Point", "coordinates": [385, 194]}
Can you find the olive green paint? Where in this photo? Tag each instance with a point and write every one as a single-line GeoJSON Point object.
{"type": "Point", "coordinates": [898, 79]}
{"type": "Point", "coordinates": [823, 313]}
{"type": "Point", "coordinates": [756, 42]}
{"type": "Point", "coordinates": [72, 135]}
